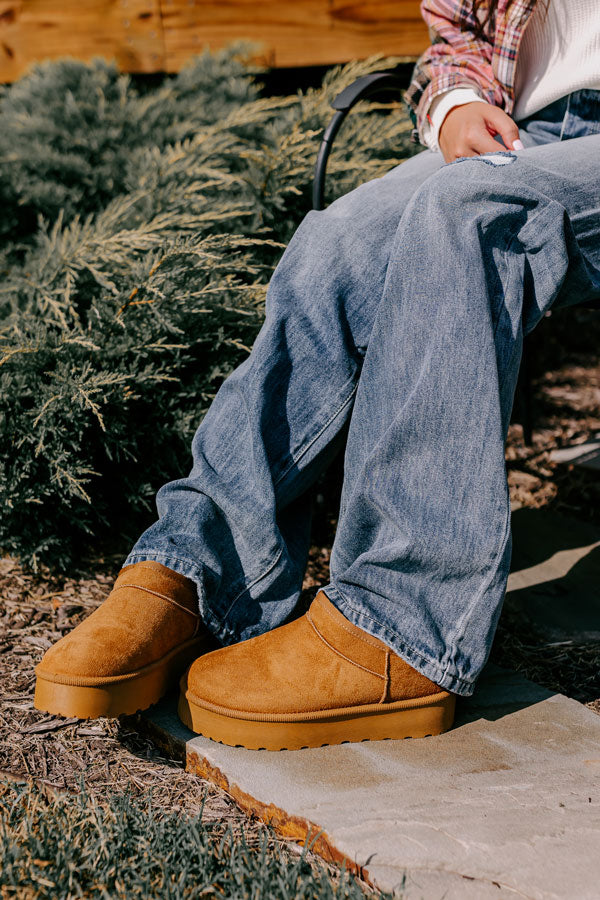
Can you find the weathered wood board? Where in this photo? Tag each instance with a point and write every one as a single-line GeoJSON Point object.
{"type": "Point", "coordinates": [296, 33]}
{"type": "Point", "coordinates": [161, 35]}
{"type": "Point", "coordinates": [129, 31]}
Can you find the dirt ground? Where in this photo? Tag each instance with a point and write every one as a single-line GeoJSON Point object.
{"type": "Point", "coordinates": [35, 610]}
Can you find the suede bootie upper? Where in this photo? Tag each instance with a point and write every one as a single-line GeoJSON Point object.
{"type": "Point", "coordinates": [127, 651]}
{"type": "Point", "coordinates": [319, 668]}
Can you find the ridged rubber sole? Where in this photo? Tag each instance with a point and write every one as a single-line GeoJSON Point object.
{"type": "Point", "coordinates": [423, 717]}
{"type": "Point", "coordinates": [123, 696]}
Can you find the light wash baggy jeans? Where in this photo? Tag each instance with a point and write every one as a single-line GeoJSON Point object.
{"type": "Point", "coordinates": [394, 321]}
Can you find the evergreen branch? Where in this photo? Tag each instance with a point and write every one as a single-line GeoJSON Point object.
{"type": "Point", "coordinates": [141, 230]}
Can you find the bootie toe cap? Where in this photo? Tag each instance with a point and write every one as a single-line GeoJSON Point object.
{"type": "Point", "coordinates": [129, 651]}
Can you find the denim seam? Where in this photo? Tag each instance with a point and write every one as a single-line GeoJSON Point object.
{"type": "Point", "coordinates": [410, 650]}
{"type": "Point", "coordinates": [564, 121]}
{"type": "Point", "coordinates": [459, 632]}
{"type": "Point", "coordinates": [450, 657]}
{"type": "Point", "coordinates": [460, 629]}
{"type": "Point", "coordinates": [260, 577]}
{"type": "Point", "coordinates": [306, 448]}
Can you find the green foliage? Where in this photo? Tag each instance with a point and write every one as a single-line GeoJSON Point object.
{"type": "Point", "coordinates": [140, 232]}
{"type": "Point", "coordinates": [69, 131]}
{"type": "Point", "coordinates": [73, 846]}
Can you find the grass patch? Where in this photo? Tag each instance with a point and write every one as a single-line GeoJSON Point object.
{"type": "Point", "coordinates": [73, 845]}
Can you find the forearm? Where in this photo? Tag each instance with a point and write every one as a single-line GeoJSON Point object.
{"type": "Point", "coordinates": [440, 108]}
{"type": "Point", "coordinates": [457, 58]}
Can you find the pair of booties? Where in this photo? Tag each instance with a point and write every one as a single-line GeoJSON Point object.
{"type": "Point", "coordinates": [317, 680]}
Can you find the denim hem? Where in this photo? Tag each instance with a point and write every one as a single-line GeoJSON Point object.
{"type": "Point", "coordinates": [182, 566]}
{"type": "Point", "coordinates": [429, 667]}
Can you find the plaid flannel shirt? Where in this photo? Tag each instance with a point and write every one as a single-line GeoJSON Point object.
{"type": "Point", "coordinates": [457, 58]}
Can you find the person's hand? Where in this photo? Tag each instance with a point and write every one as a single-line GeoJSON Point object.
{"type": "Point", "coordinates": [469, 130]}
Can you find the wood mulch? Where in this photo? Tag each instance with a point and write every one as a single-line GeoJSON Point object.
{"type": "Point", "coordinates": [35, 610]}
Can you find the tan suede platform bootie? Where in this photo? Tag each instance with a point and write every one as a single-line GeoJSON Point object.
{"type": "Point", "coordinates": [129, 651]}
{"type": "Point", "coordinates": [318, 680]}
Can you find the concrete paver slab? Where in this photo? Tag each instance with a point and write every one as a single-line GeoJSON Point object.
{"type": "Point", "coordinates": [555, 577]}
{"type": "Point", "coordinates": [507, 804]}
{"type": "Point", "coordinates": [585, 455]}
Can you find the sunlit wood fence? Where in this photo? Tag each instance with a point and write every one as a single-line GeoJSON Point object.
{"type": "Point", "coordinates": [160, 35]}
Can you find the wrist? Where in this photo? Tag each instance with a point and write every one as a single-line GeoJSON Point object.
{"type": "Point", "coordinates": [439, 109]}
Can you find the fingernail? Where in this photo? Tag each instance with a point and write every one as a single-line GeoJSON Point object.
{"type": "Point", "coordinates": [518, 145]}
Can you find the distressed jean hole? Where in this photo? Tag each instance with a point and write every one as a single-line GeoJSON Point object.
{"type": "Point", "coordinates": [502, 158]}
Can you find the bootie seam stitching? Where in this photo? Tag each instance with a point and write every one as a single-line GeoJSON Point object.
{"type": "Point", "coordinates": [306, 715]}
{"type": "Point", "coordinates": [101, 680]}
{"type": "Point", "coordinates": [140, 587]}
{"type": "Point", "coordinates": [386, 686]}
{"type": "Point", "coordinates": [339, 653]}
{"type": "Point", "coordinates": [178, 581]}
{"type": "Point", "coordinates": [360, 637]}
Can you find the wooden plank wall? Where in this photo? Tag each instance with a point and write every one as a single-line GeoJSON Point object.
{"type": "Point", "coordinates": [160, 35]}
{"type": "Point", "coordinates": [295, 32]}
{"type": "Point", "coordinates": [129, 31]}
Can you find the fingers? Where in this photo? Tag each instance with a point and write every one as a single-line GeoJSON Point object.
{"type": "Point", "coordinates": [469, 130]}
{"type": "Point", "coordinates": [479, 141]}
{"type": "Point", "coordinates": [500, 123]}
{"type": "Point", "coordinates": [484, 143]}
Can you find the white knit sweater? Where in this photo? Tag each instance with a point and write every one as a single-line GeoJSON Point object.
{"type": "Point", "coordinates": [559, 53]}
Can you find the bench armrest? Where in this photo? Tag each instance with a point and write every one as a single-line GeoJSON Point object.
{"type": "Point", "coordinates": [367, 86]}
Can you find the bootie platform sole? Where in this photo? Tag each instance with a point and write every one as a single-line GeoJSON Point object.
{"type": "Point", "coordinates": [420, 717]}
{"type": "Point", "coordinates": [88, 697]}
